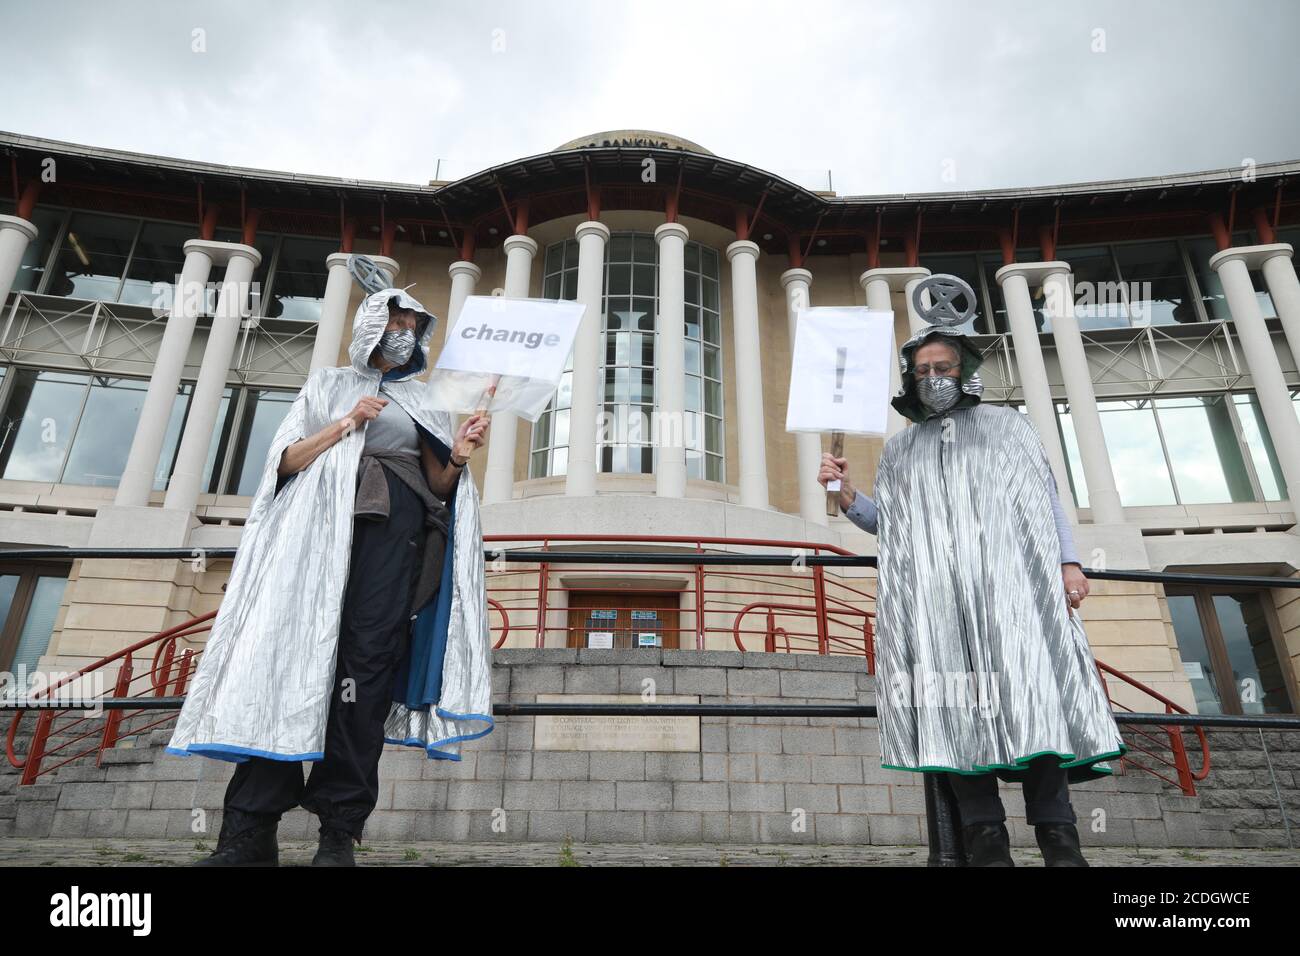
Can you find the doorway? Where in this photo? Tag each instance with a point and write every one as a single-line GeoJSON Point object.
{"type": "Point", "coordinates": [623, 619]}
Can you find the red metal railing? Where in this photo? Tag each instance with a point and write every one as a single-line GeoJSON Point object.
{"type": "Point", "coordinates": [73, 728]}
{"type": "Point", "coordinates": [799, 609]}
{"type": "Point", "coordinates": [1145, 748]}
{"type": "Point", "coordinates": [811, 609]}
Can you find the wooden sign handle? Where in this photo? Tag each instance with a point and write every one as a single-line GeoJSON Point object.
{"type": "Point", "coordinates": [833, 497]}
{"type": "Point", "coordinates": [485, 401]}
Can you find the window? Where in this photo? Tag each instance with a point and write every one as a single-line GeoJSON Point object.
{"type": "Point", "coordinates": [627, 383]}
{"type": "Point", "coordinates": [77, 429]}
{"type": "Point", "coordinates": [157, 261]}
{"type": "Point", "coordinates": [264, 410]}
{"type": "Point", "coordinates": [298, 281]}
{"type": "Point", "coordinates": [1195, 449]}
{"type": "Point", "coordinates": [29, 603]}
{"type": "Point", "coordinates": [93, 256]}
{"type": "Point", "coordinates": [1232, 651]}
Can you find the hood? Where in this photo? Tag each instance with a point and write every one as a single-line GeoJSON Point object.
{"type": "Point", "coordinates": [907, 402]}
{"type": "Point", "coordinates": [368, 328]}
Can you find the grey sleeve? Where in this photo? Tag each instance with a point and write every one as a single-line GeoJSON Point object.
{"type": "Point", "coordinates": [1068, 554]}
{"type": "Point", "coordinates": [863, 513]}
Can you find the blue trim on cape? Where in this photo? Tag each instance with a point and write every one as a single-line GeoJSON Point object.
{"type": "Point", "coordinates": [431, 749]}
{"type": "Point", "coordinates": [233, 754]}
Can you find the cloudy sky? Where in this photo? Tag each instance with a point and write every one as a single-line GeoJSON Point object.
{"type": "Point", "coordinates": [918, 95]}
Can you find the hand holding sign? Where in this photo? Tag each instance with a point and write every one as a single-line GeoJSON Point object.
{"type": "Point", "coordinates": [505, 355]}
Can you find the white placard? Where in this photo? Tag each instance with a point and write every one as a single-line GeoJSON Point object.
{"type": "Point", "coordinates": [600, 639]}
{"type": "Point", "coordinates": [520, 345]}
{"type": "Point", "coordinates": [839, 376]}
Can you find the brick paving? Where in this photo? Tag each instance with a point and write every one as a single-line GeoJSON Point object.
{"type": "Point", "coordinates": [16, 851]}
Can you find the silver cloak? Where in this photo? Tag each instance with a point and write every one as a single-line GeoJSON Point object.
{"type": "Point", "coordinates": [980, 663]}
{"type": "Point", "coordinates": [264, 680]}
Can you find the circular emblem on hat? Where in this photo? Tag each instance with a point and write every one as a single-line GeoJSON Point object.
{"type": "Point", "coordinates": [368, 274]}
{"type": "Point", "coordinates": [943, 310]}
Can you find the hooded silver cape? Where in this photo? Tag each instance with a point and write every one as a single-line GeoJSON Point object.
{"type": "Point", "coordinates": [980, 663]}
{"type": "Point", "coordinates": [264, 680]}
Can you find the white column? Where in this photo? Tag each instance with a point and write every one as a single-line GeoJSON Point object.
{"type": "Point", "coordinates": [1284, 290]}
{"type": "Point", "coordinates": [1261, 358]}
{"type": "Point", "coordinates": [1033, 373]}
{"type": "Point", "coordinates": [499, 478]}
{"type": "Point", "coordinates": [151, 430]}
{"type": "Point", "coordinates": [670, 357]}
{"type": "Point", "coordinates": [187, 477]}
{"type": "Point", "coordinates": [743, 256]}
{"type": "Point", "coordinates": [334, 308]}
{"type": "Point", "coordinates": [464, 277]}
{"type": "Point", "coordinates": [808, 446]}
{"type": "Point", "coordinates": [1103, 497]}
{"type": "Point", "coordinates": [584, 397]}
{"type": "Point", "coordinates": [914, 321]}
{"type": "Point", "coordinates": [15, 234]}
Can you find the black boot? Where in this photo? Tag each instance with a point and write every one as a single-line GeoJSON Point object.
{"type": "Point", "coordinates": [246, 839]}
{"type": "Point", "coordinates": [335, 849]}
{"type": "Point", "coordinates": [987, 844]}
{"type": "Point", "coordinates": [1060, 844]}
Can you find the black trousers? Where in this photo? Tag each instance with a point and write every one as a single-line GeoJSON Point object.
{"type": "Point", "coordinates": [374, 635]}
{"type": "Point", "coordinates": [1047, 795]}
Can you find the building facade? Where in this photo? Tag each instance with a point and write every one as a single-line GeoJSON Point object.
{"type": "Point", "coordinates": [1150, 329]}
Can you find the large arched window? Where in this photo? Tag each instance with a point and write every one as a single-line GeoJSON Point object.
{"type": "Point", "coordinates": [627, 385]}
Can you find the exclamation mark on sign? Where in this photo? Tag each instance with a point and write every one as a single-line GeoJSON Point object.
{"type": "Point", "coordinates": [841, 357]}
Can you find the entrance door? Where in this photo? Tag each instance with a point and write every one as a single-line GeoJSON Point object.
{"type": "Point", "coordinates": [623, 619]}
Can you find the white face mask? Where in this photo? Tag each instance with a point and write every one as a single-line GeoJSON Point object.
{"type": "Point", "coordinates": [939, 393]}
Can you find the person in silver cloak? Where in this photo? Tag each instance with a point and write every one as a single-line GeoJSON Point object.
{"type": "Point", "coordinates": [355, 613]}
{"type": "Point", "coordinates": [983, 668]}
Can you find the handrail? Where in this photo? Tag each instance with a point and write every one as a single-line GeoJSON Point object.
{"type": "Point", "coordinates": [161, 683]}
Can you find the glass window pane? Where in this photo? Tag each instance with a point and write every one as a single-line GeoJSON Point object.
{"type": "Point", "coordinates": [713, 398]}
{"type": "Point", "coordinates": [713, 467]}
{"type": "Point", "coordinates": [157, 261]}
{"type": "Point", "coordinates": [1206, 458]}
{"type": "Point", "coordinates": [562, 427]}
{"type": "Point", "coordinates": [93, 257]}
{"type": "Point", "coordinates": [620, 280]}
{"type": "Point", "coordinates": [692, 321]}
{"type": "Point", "coordinates": [569, 292]}
{"type": "Point", "coordinates": [554, 257]}
{"type": "Point", "coordinates": [710, 300]}
{"type": "Point", "coordinates": [712, 362]}
{"type": "Point", "coordinates": [620, 248]}
{"type": "Point", "coordinates": [1098, 299]}
{"type": "Point", "coordinates": [551, 287]}
{"type": "Point", "coordinates": [1133, 442]}
{"type": "Point", "coordinates": [263, 412]}
{"type": "Point", "coordinates": [643, 280]}
{"type": "Point", "coordinates": [1156, 283]}
{"type": "Point", "coordinates": [37, 426]}
{"type": "Point", "coordinates": [692, 357]}
{"type": "Point", "coordinates": [712, 328]}
{"type": "Point", "coordinates": [1073, 461]}
{"type": "Point", "coordinates": [692, 257]}
{"type": "Point", "coordinates": [299, 283]}
{"type": "Point", "coordinates": [34, 639]}
{"type": "Point", "coordinates": [537, 469]}
{"type": "Point", "coordinates": [644, 249]}
{"type": "Point", "coordinates": [1256, 670]}
{"type": "Point", "coordinates": [8, 588]}
{"type": "Point", "coordinates": [560, 461]}
{"type": "Point", "coordinates": [219, 443]}
{"type": "Point", "coordinates": [1195, 654]}
{"type": "Point", "coordinates": [694, 393]}
{"type": "Point", "coordinates": [1260, 444]}
{"type": "Point", "coordinates": [103, 438]}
